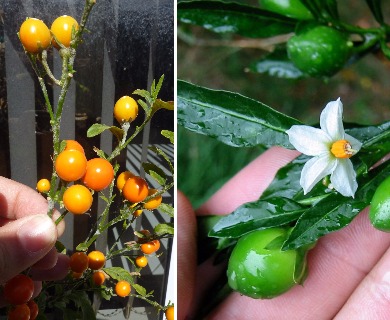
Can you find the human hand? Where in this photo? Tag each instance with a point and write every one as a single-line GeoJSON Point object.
{"type": "Point", "coordinates": [349, 275]}
{"type": "Point", "coordinates": [28, 236]}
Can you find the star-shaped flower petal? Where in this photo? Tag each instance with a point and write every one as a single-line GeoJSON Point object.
{"type": "Point", "coordinates": [330, 148]}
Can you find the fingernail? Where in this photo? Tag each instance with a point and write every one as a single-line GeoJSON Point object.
{"type": "Point", "coordinates": [37, 233]}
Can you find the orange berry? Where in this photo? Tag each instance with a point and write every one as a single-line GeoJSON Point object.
{"type": "Point", "coordinates": [77, 199]}
{"type": "Point", "coordinates": [61, 28]}
{"type": "Point", "coordinates": [141, 261]}
{"type": "Point", "coordinates": [74, 145]}
{"type": "Point", "coordinates": [96, 260]}
{"type": "Point", "coordinates": [19, 312]}
{"type": "Point", "coordinates": [170, 313]}
{"type": "Point", "coordinates": [122, 288]}
{"type": "Point", "coordinates": [98, 278]}
{"type": "Point", "coordinates": [78, 262]}
{"type": "Point", "coordinates": [135, 189]}
{"type": "Point", "coordinates": [122, 178]}
{"type": "Point", "coordinates": [43, 185]}
{"type": "Point", "coordinates": [154, 202]}
{"type": "Point", "coordinates": [71, 165]}
{"type": "Point", "coordinates": [125, 109]}
{"type": "Point", "coordinates": [98, 175]}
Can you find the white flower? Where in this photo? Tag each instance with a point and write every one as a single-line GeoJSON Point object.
{"type": "Point", "coordinates": [331, 149]}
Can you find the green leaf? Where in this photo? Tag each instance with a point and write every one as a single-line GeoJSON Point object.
{"type": "Point", "coordinates": [167, 209]}
{"type": "Point", "coordinates": [255, 215]}
{"type": "Point", "coordinates": [80, 298]}
{"type": "Point", "coordinates": [334, 212]}
{"type": "Point", "coordinates": [376, 9]}
{"type": "Point", "coordinates": [117, 132]}
{"type": "Point", "coordinates": [143, 93]}
{"type": "Point", "coordinates": [231, 118]}
{"type": "Point", "coordinates": [164, 229]}
{"type": "Point", "coordinates": [222, 17]}
{"type": "Point", "coordinates": [96, 129]}
{"type": "Point", "coordinates": [140, 289]}
{"type": "Point", "coordinates": [160, 104]}
{"type": "Point", "coordinates": [156, 89]}
{"type": "Point", "coordinates": [118, 273]}
{"type": "Point", "coordinates": [161, 153]}
{"type": "Point", "coordinates": [277, 64]}
{"type": "Point", "coordinates": [155, 172]}
{"type": "Point", "coordinates": [169, 135]}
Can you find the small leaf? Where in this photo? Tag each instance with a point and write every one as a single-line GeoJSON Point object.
{"type": "Point", "coordinates": [164, 228]}
{"type": "Point", "coordinates": [158, 87]}
{"type": "Point", "coordinates": [155, 172]}
{"type": "Point", "coordinates": [80, 298]}
{"type": "Point", "coordinates": [143, 93]}
{"type": "Point", "coordinates": [160, 152]}
{"type": "Point", "coordinates": [96, 129]}
{"type": "Point", "coordinates": [118, 273]}
{"type": "Point", "coordinates": [168, 134]}
{"type": "Point", "coordinates": [167, 209]}
{"type": "Point", "coordinates": [160, 104]}
{"type": "Point", "coordinates": [117, 132]}
{"type": "Point", "coordinates": [144, 106]}
{"type": "Point", "coordinates": [140, 289]}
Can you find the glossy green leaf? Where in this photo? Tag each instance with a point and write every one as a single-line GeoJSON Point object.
{"type": "Point", "coordinates": [231, 118]}
{"type": "Point", "coordinates": [334, 212]}
{"type": "Point", "coordinates": [259, 214]}
{"type": "Point", "coordinates": [223, 17]}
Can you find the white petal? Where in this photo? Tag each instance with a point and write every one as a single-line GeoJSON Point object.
{"type": "Point", "coordinates": [331, 120]}
{"type": "Point", "coordinates": [316, 169]}
{"type": "Point", "coordinates": [308, 140]}
{"type": "Point", "coordinates": [343, 178]}
{"type": "Point", "coordinates": [355, 144]}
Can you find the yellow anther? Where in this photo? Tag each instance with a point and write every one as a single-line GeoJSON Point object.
{"type": "Point", "coordinates": [342, 149]}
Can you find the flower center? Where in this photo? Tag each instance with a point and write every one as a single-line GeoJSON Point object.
{"type": "Point", "coordinates": [342, 149]}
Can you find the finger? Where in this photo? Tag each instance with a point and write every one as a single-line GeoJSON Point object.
{"type": "Point", "coordinates": [58, 272]}
{"type": "Point", "coordinates": [48, 261]}
{"type": "Point", "coordinates": [248, 184]}
{"type": "Point", "coordinates": [336, 266]}
{"type": "Point", "coordinates": [18, 200]}
{"type": "Point", "coordinates": [24, 242]}
{"type": "Point", "coordinates": [186, 260]}
{"type": "Point", "coordinates": [371, 299]}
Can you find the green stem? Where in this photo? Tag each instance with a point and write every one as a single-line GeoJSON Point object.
{"type": "Point", "coordinates": [47, 68]}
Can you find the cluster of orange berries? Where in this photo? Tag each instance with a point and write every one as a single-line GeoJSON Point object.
{"type": "Point", "coordinates": [135, 189]}
{"type": "Point", "coordinates": [71, 165]}
{"type": "Point", "coordinates": [18, 292]}
{"type": "Point", "coordinates": [36, 36]}
{"type": "Point", "coordinates": [95, 260]}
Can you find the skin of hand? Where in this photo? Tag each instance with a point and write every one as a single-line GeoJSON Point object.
{"type": "Point", "coordinates": [28, 236]}
{"type": "Point", "coordinates": [349, 270]}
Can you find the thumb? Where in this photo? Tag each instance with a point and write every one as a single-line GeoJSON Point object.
{"type": "Point", "coordinates": [23, 242]}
